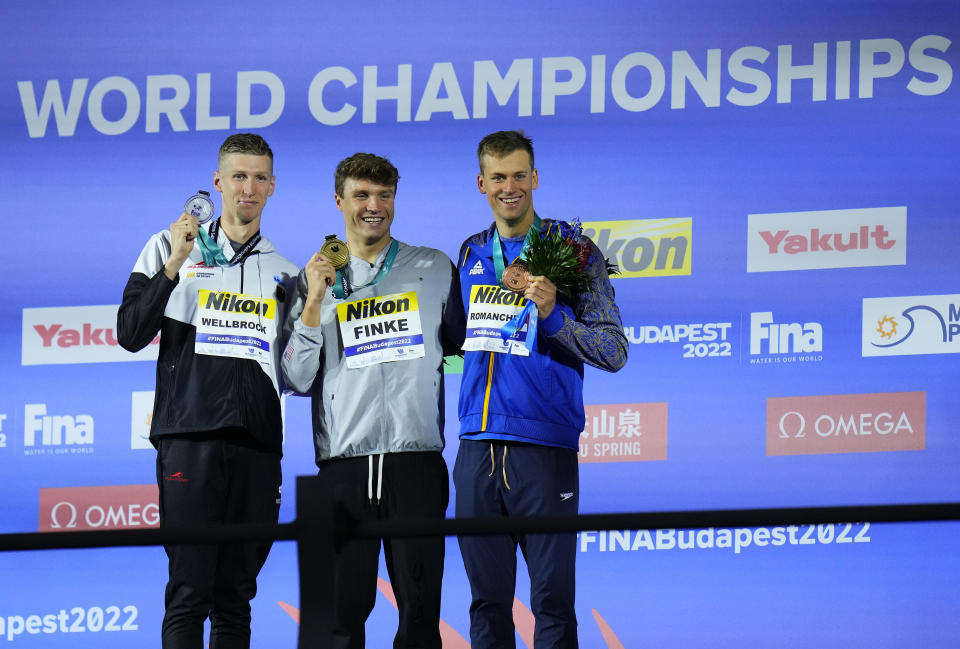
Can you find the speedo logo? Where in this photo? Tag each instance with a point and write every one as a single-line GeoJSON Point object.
{"type": "Point", "coordinates": [645, 247]}
{"type": "Point", "coordinates": [482, 294]}
{"type": "Point", "coordinates": [237, 303]}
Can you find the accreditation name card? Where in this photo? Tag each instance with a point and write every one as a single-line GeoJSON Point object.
{"type": "Point", "coordinates": [381, 329]}
{"type": "Point", "coordinates": [235, 325]}
{"type": "Point", "coordinates": [490, 308]}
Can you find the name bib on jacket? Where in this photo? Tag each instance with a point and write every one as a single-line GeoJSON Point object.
{"type": "Point", "coordinates": [490, 308]}
{"type": "Point", "coordinates": [234, 324]}
{"type": "Point", "coordinates": [381, 329]}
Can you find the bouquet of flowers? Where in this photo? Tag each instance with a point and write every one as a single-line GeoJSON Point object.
{"type": "Point", "coordinates": [562, 255]}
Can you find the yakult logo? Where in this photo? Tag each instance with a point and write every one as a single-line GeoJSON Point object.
{"type": "Point", "coordinates": [45, 434]}
{"type": "Point", "coordinates": [846, 423]}
{"type": "Point", "coordinates": [645, 248]}
{"type": "Point", "coordinates": [901, 326]}
{"type": "Point", "coordinates": [81, 334]}
{"type": "Point", "coordinates": [98, 508]}
{"type": "Point", "coordinates": [827, 239]}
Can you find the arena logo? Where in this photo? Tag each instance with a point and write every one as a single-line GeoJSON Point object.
{"type": "Point", "coordinates": [772, 342]}
{"type": "Point", "coordinates": [98, 508]}
{"type": "Point", "coordinates": [846, 423]}
{"type": "Point", "coordinates": [79, 334]}
{"type": "Point", "coordinates": [45, 434]}
{"type": "Point", "coordinates": [141, 416]}
{"type": "Point", "coordinates": [645, 247]}
{"type": "Point", "coordinates": [827, 239]}
{"type": "Point", "coordinates": [699, 340]}
{"type": "Point", "coordinates": [523, 622]}
{"type": "Point", "coordinates": [904, 326]}
{"type": "Point", "coordinates": [624, 432]}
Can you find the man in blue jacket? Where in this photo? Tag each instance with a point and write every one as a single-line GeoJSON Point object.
{"type": "Point", "coordinates": [521, 403]}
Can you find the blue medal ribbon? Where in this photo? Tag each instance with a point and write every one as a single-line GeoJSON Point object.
{"type": "Point", "coordinates": [529, 313]}
{"type": "Point", "coordinates": [213, 255]}
{"type": "Point", "coordinates": [498, 259]}
{"type": "Point", "coordinates": [339, 287]}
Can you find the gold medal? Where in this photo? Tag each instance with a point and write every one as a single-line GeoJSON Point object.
{"type": "Point", "coordinates": [336, 251]}
{"type": "Point", "coordinates": [515, 276]}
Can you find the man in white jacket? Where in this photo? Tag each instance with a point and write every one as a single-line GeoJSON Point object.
{"type": "Point", "coordinates": [218, 294]}
{"type": "Point", "coordinates": [368, 344]}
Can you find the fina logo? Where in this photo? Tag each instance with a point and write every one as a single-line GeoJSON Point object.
{"type": "Point", "coordinates": [911, 325]}
{"type": "Point", "coordinates": [43, 433]}
{"type": "Point", "coordinates": [784, 337]}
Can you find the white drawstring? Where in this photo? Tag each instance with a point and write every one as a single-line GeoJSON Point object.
{"type": "Point", "coordinates": [370, 478]}
{"type": "Point", "coordinates": [380, 479]}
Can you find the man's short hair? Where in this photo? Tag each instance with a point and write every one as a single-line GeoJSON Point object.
{"type": "Point", "coordinates": [365, 166]}
{"type": "Point", "coordinates": [247, 144]}
{"type": "Point", "coordinates": [503, 143]}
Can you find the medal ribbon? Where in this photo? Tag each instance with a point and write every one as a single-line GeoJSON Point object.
{"type": "Point", "coordinates": [529, 313]}
{"type": "Point", "coordinates": [498, 259]}
{"type": "Point", "coordinates": [213, 255]}
{"type": "Point", "coordinates": [339, 286]}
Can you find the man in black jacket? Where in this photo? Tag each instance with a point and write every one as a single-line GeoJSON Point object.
{"type": "Point", "coordinates": [218, 296]}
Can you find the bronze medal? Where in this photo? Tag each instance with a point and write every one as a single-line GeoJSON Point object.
{"type": "Point", "coordinates": [336, 251]}
{"type": "Point", "coordinates": [515, 276]}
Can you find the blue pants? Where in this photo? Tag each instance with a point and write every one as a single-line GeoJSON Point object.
{"type": "Point", "coordinates": [512, 479]}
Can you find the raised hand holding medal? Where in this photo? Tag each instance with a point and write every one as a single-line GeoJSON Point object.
{"type": "Point", "coordinates": [337, 254]}
{"type": "Point", "coordinates": [560, 257]}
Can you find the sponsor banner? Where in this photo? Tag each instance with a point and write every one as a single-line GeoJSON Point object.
{"type": "Point", "coordinates": [3, 435]}
{"type": "Point", "coordinates": [847, 423]}
{"type": "Point", "coordinates": [141, 415]}
{"type": "Point", "coordinates": [903, 326]}
{"type": "Point", "coordinates": [624, 432]}
{"type": "Point", "coordinates": [698, 339]}
{"type": "Point", "coordinates": [827, 239]}
{"type": "Point", "coordinates": [50, 433]}
{"type": "Point", "coordinates": [645, 247]}
{"type": "Point", "coordinates": [776, 341]}
{"type": "Point", "coordinates": [76, 334]}
{"type": "Point", "coordinates": [99, 508]}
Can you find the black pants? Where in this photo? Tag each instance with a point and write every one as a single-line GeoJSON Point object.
{"type": "Point", "coordinates": [512, 479]}
{"type": "Point", "coordinates": [388, 487]}
{"type": "Point", "coordinates": [214, 481]}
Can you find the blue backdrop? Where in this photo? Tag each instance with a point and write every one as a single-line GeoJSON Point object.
{"type": "Point", "coordinates": [776, 180]}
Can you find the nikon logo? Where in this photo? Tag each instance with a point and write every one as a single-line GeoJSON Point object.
{"type": "Point", "coordinates": [374, 307]}
{"type": "Point", "coordinates": [645, 247]}
{"type": "Point", "coordinates": [235, 303]}
{"type": "Point", "coordinates": [495, 295]}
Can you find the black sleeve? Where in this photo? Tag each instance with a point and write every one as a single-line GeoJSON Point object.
{"type": "Point", "coordinates": [454, 322]}
{"type": "Point", "coordinates": [141, 312]}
